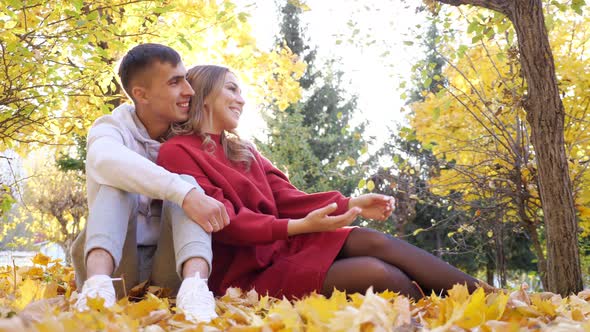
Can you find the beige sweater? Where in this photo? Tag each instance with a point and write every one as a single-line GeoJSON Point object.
{"type": "Point", "coordinates": [121, 154]}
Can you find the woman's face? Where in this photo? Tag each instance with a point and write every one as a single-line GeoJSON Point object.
{"type": "Point", "coordinates": [225, 106]}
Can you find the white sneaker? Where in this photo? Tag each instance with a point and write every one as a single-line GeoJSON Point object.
{"type": "Point", "coordinates": [195, 300]}
{"type": "Point", "coordinates": [96, 286]}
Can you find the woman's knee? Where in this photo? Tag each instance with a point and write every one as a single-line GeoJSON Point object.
{"type": "Point", "coordinates": [384, 276]}
{"type": "Point", "coordinates": [356, 274]}
{"type": "Point", "coordinates": [387, 277]}
{"type": "Point", "coordinates": [368, 242]}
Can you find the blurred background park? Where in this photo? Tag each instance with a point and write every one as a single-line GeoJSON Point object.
{"type": "Point", "coordinates": [418, 100]}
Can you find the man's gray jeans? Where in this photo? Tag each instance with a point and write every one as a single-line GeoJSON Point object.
{"type": "Point", "coordinates": [112, 226]}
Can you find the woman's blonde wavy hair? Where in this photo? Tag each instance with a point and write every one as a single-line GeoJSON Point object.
{"type": "Point", "coordinates": [208, 80]}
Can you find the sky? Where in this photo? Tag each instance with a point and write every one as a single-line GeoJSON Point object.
{"type": "Point", "coordinates": [373, 77]}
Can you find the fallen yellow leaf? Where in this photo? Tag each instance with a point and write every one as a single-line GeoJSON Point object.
{"type": "Point", "coordinates": [41, 259]}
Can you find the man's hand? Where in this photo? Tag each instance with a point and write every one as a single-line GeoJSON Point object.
{"type": "Point", "coordinates": [320, 221]}
{"type": "Point", "coordinates": [208, 212]}
{"type": "Point", "coordinates": [373, 206]}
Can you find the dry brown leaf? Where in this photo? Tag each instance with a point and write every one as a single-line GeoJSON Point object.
{"type": "Point", "coordinates": [138, 291]}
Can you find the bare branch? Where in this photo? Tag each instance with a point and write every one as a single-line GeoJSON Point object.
{"type": "Point", "coordinates": [502, 6]}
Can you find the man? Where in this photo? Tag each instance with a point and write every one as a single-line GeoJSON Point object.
{"type": "Point", "coordinates": [124, 234]}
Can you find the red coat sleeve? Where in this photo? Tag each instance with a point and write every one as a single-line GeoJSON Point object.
{"type": "Point", "coordinates": [246, 226]}
{"type": "Point", "coordinates": [294, 203]}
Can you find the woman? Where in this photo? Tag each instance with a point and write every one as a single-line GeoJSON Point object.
{"type": "Point", "coordinates": [280, 240]}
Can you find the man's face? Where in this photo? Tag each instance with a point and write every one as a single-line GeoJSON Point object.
{"type": "Point", "coordinates": [167, 93]}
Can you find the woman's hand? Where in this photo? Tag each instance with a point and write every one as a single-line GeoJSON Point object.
{"type": "Point", "coordinates": [320, 221]}
{"type": "Point", "coordinates": [373, 206]}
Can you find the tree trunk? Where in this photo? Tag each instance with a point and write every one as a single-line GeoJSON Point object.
{"type": "Point", "coordinates": [541, 261]}
{"type": "Point", "coordinates": [66, 246]}
{"type": "Point", "coordinates": [500, 256]}
{"type": "Point", "coordinates": [545, 115]}
{"type": "Point", "coordinates": [529, 224]}
{"type": "Point", "coordinates": [439, 242]}
{"type": "Point", "coordinates": [490, 268]}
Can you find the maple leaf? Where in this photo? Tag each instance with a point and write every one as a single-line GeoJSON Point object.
{"type": "Point", "coordinates": [28, 291]}
{"type": "Point", "coordinates": [496, 305]}
{"type": "Point", "coordinates": [318, 310]}
{"type": "Point", "coordinates": [35, 272]}
{"type": "Point", "coordinates": [374, 311]}
{"type": "Point", "coordinates": [544, 306]}
{"type": "Point", "coordinates": [284, 313]}
{"type": "Point", "coordinates": [389, 295]}
{"type": "Point", "coordinates": [41, 259]}
{"type": "Point", "coordinates": [145, 307]}
{"type": "Point", "coordinates": [95, 303]}
{"type": "Point", "coordinates": [243, 311]}
{"type": "Point", "coordinates": [474, 312]}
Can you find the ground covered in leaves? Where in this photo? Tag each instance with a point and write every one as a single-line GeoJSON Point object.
{"type": "Point", "coordinates": [39, 298]}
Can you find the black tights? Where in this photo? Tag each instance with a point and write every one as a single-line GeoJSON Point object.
{"type": "Point", "coordinates": [370, 258]}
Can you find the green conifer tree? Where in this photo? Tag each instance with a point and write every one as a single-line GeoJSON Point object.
{"type": "Point", "coordinates": [313, 140]}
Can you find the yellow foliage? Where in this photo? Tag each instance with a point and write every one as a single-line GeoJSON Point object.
{"type": "Point", "coordinates": [59, 88]}
{"type": "Point", "coordinates": [54, 205]}
{"type": "Point", "coordinates": [478, 121]}
{"type": "Point", "coordinates": [28, 292]}
{"type": "Point", "coordinates": [143, 308]}
{"type": "Point", "coordinates": [41, 259]}
{"type": "Point", "coordinates": [41, 306]}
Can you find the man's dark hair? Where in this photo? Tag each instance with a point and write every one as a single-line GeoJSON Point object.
{"type": "Point", "coordinates": [142, 56]}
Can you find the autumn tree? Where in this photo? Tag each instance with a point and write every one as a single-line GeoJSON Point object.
{"type": "Point", "coordinates": [57, 74]}
{"type": "Point", "coordinates": [312, 140]}
{"type": "Point", "coordinates": [58, 56]}
{"type": "Point", "coordinates": [470, 233]}
{"type": "Point", "coordinates": [473, 126]}
{"type": "Point", "coordinates": [545, 115]}
{"type": "Point", "coordinates": [54, 206]}
{"type": "Point", "coordinates": [6, 185]}
{"type": "Point", "coordinates": [10, 175]}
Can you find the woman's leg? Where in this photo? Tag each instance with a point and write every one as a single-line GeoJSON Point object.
{"type": "Point", "coordinates": [356, 274]}
{"type": "Point", "coordinates": [430, 272]}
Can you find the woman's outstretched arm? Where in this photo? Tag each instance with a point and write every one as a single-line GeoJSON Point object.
{"type": "Point", "coordinates": [320, 220]}
{"type": "Point", "coordinates": [293, 203]}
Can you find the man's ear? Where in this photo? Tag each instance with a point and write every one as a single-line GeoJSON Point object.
{"type": "Point", "coordinates": [139, 94]}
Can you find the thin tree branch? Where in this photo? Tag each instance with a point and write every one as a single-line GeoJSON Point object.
{"type": "Point", "coordinates": [502, 6]}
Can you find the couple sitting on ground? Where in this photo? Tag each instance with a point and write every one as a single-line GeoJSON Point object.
{"type": "Point", "coordinates": [163, 210]}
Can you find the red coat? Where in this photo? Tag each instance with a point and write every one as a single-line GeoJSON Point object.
{"type": "Point", "coordinates": [254, 251]}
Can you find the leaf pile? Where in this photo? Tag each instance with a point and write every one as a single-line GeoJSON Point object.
{"type": "Point", "coordinates": [40, 298]}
